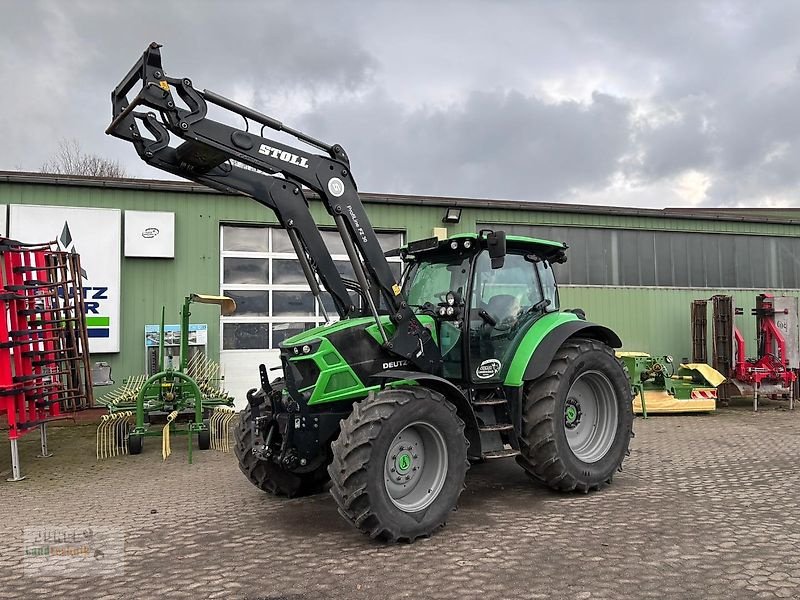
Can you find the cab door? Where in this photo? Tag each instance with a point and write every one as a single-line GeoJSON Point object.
{"type": "Point", "coordinates": [504, 303]}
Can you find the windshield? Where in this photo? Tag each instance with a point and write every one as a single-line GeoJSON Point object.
{"type": "Point", "coordinates": [430, 281]}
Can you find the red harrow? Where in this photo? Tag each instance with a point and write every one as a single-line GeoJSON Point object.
{"type": "Point", "coordinates": [44, 359]}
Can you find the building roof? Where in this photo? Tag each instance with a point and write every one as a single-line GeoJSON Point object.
{"type": "Point", "coordinates": [750, 215]}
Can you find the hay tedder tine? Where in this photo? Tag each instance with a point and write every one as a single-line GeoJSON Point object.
{"type": "Point", "coordinates": [219, 423]}
{"type": "Point", "coordinates": [212, 426]}
{"type": "Point", "coordinates": [166, 449]}
{"type": "Point", "coordinates": [231, 418]}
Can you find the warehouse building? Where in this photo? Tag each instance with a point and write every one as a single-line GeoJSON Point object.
{"type": "Point", "coordinates": [635, 270]}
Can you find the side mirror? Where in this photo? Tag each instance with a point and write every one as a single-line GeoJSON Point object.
{"type": "Point", "coordinates": [496, 244]}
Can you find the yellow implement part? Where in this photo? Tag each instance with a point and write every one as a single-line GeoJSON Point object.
{"type": "Point", "coordinates": [220, 425]}
{"type": "Point", "coordinates": [227, 306]}
{"type": "Point", "coordinates": [125, 394]}
{"type": "Point", "coordinates": [166, 450]}
{"type": "Point", "coordinates": [621, 354]}
{"type": "Point", "coordinates": [112, 434]}
{"type": "Point", "coordinates": [659, 401]}
{"type": "Point", "coordinates": [711, 375]}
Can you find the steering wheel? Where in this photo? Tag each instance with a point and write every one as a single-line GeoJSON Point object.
{"type": "Point", "coordinates": [427, 307]}
{"type": "Point", "coordinates": [505, 325]}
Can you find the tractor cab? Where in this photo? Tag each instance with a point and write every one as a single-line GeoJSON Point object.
{"type": "Point", "coordinates": [484, 291]}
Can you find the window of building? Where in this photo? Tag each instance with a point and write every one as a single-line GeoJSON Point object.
{"type": "Point", "coordinates": [669, 258]}
{"type": "Point", "coordinates": [259, 270]}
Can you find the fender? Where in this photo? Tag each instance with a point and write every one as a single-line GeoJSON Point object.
{"type": "Point", "coordinates": [546, 344]}
{"type": "Point", "coordinates": [449, 391]}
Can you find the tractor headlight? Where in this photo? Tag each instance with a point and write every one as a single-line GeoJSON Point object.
{"type": "Point", "coordinates": [306, 349]}
{"type": "Point", "coordinates": [442, 311]}
{"type": "Point", "coordinates": [467, 244]}
{"type": "Point", "coordinates": [450, 311]}
{"type": "Point", "coordinates": [450, 298]}
{"type": "Point", "coordinates": [296, 350]}
{"type": "Point", "coordinates": [454, 245]}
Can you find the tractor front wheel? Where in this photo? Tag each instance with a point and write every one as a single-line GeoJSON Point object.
{"type": "Point", "coordinates": [399, 464]}
{"type": "Point", "coordinates": [269, 476]}
{"type": "Point", "coordinates": [577, 419]}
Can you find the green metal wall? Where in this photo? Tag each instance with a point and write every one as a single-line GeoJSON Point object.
{"type": "Point", "coordinates": [655, 320]}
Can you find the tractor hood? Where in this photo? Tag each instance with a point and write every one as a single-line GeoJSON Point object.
{"type": "Point", "coordinates": [367, 323]}
{"type": "Point", "coordinates": [337, 362]}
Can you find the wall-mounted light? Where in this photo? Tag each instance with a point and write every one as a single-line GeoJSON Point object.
{"type": "Point", "coordinates": [452, 215]}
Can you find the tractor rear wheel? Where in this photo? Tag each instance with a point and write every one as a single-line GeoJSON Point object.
{"type": "Point", "coordinates": [577, 419]}
{"type": "Point", "coordinates": [269, 476]}
{"type": "Point", "coordinates": [399, 464]}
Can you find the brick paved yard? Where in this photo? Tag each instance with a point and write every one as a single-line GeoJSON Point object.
{"type": "Point", "coordinates": [706, 508]}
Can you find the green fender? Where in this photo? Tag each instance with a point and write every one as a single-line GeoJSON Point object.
{"type": "Point", "coordinates": [541, 342]}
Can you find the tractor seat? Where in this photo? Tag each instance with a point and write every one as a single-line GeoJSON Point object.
{"type": "Point", "coordinates": [504, 308]}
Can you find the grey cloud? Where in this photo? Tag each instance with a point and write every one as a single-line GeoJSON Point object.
{"type": "Point", "coordinates": [494, 144]}
{"type": "Point", "coordinates": [681, 141]}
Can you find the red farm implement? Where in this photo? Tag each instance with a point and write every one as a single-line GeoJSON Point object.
{"type": "Point", "coordinates": [44, 361]}
{"type": "Point", "coordinates": [772, 372]}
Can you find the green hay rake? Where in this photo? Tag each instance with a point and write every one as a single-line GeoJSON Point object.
{"type": "Point", "coordinates": [188, 401]}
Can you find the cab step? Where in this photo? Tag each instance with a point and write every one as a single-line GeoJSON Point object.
{"type": "Point", "coordinates": [506, 453]}
{"type": "Point", "coordinates": [496, 427]}
{"type": "Point", "coordinates": [492, 402]}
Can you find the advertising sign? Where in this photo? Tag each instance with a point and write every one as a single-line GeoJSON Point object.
{"type": "Point", "coordinates": [95, 234]}
{"type": "Point", "coordinates": [787, 323]}
{"type": "Point", "coordinates": [198, 338]}
{"type": "Point", "coordinates": [149, 234]}
{"type": "Point", "coordinates": [198, 335]}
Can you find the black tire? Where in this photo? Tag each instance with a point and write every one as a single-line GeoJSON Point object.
{"type": "Point", "coordinates": [546, 454]}
{"type": "Point", "coordinates": [204, 439]}
{"type": "Point", "coordinates": [269, 476]}
{"type": "Point", "coordinates": [359, 467]}
{"type": "Point", "coordinates": [135, 443]}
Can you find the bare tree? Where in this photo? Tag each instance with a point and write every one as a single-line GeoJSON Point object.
{"type": "Point", "coordinates": [71, 160]}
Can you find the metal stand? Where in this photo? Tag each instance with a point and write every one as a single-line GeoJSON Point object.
{"type": "Point", "coordinates": [15, 474]}
{"type": "Point", "coordinates": [640, 389]}
{"type": "Point", "coordinates": [43, 438]}
{"type": "Point", "coordinates": [755, 398]}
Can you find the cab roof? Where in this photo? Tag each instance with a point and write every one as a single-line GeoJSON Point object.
{"type": "Point", "coordinates": [546, 248]}
{"type": "Point", "coordinates": [519, 240]}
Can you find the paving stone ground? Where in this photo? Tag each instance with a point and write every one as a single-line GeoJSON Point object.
{"type": "Point", "coordinates": [705, 508]}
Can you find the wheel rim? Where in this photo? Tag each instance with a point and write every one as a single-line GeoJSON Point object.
{"type": "Point", "coordinates": [590, 416]}
{"type": "Point", "coordinates": [415, 468]}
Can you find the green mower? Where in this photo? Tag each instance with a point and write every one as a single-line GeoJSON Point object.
{"type": "Point", "coordinates": [467, 358]}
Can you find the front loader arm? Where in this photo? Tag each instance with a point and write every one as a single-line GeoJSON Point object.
{"type": "Point", "coordinates": [206, 155]}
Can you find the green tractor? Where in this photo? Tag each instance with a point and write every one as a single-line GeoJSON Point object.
{"type": "Point", "coordinates": [468, 358]}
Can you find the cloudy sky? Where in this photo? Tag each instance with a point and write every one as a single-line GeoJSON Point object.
{"type": "Point", "coordinates": [626, 103]}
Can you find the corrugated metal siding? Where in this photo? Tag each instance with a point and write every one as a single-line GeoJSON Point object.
{"type": "Point", "coordinates": [654, 320]}
{"type": "Point", "coordinates": [472, 216]}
